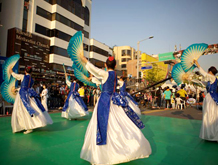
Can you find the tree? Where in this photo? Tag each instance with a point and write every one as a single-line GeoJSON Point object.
{"type": "Point", "coordinates": [154, 75]}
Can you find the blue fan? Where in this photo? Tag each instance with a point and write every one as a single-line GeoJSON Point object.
{"type": "Point", "coordinates": [83, 78]}
{"type": "Point", "coordinates": [178, 73]}
{"type": "Point", "coordinates": [75, 51]}
{"type": "Point", "coordinates": [10, 62]}
{"type": "Point", "coordinates": [8, 90]}
{"type": "Point", "coordinates": [193, 52]}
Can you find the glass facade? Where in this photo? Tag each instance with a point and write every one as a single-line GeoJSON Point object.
{"type": "Point", "coordinates": [62, 51]}
{"type": "Point", "coordinates": [62, 19]}
{"type": "Point", "coordinates": [98, 50]}
{"type": "Point", "coordinates": [73, 6]}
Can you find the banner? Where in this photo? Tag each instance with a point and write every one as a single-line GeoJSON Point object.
{"type": "Point", "coordinates": [166, 56]}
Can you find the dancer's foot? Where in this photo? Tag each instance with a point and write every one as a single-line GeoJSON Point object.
{"type": "Point", "coordinates": [28, 131]}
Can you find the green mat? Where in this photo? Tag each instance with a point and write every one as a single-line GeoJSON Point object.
{"type": "Point", "coordinates": [173, 141]}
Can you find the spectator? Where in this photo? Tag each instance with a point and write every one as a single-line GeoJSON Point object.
{"type": "Point", "coordinates": [167, 97]}
{"type": "Point", "coordinates": [97, 94]}
{"type": "Point", "coordinates": [82, 93]}
{"type": "Point", "coordinates": [178, 100]}
{"type": "Point", "coordinates": [153, 94]}
{"type": "Point", "coordinates": [182, 93]}
{"type": "Point", "coordinates": [159, 97]}
{"type": "Point", "coordinates": [44, 97]}
{"type": "Point", "coordinates": [189, 92]}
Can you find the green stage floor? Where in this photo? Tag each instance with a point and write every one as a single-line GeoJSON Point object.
{"type": "Point", "coordinates": [173, 141]}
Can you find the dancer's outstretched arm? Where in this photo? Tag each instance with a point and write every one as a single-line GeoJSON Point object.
{"type": "Point", "coordinates": [207, 76]}
{"type": "Point", "coordinates": [99, 73]}
{"type": "Point", "coordinates": [17, 76]}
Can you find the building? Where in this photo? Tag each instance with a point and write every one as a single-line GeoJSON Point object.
{"type": "Point", "coordinates": [39, 30]}
{"type": "Point", "coordinates": [122, 55]}
{"type": "Point", "coordinates": [146, 61]}
{"type": "Point", "coordinates": [99, 53]}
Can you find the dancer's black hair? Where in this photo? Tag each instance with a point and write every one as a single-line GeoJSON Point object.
{"type": "Point", "coordinates": [213, 70]}
{"type": "Point", "coordinates": [111, 63]}
{"type": "Point", "coordinates": [29, 69]}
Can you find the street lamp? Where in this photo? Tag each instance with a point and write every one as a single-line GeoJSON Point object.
{"type": "Point", "coordinates": [138, 54]}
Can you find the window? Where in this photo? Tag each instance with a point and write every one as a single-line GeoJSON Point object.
{"type": "Point", "coordinates": [85, 47]}
{"type": "Point", "coordinates": [73, 6]}
{"type": "Point", "coordinates": [98, 50]}
{"type": "Point", "coordinates": [42, 30]}
{"type": "Point", "coordinates": [123, 66]}
{"type": "Point", "coordinates": [44, 13]}
{"type": "Point", "coordinates": [58, 50]}
{"type": "Point", "coordinates": [126, 52]}
{"type": "Point", "coordinates": [86, 34]}
{"type": "Point", "coordinates": [86, 16]}
{"type": "Point", "coordinates": [0, 7]}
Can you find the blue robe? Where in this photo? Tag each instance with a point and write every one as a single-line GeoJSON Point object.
{"type": "Point", "coordinates": [26, 91]}
{"type": "Point", "coordinates": [212, 89]}
{"type": "Point", "coordinates": [103, 109]}
{"type": "Point", "coordinates": [73, 92]}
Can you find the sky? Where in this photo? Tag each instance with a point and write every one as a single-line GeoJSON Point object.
{"type": "Point", "coordinates": [171, 22]}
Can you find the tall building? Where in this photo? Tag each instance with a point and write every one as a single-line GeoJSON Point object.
{"type": "Point", "coordinates": [99, 53]}
{"type": "Point", "coordinates": [39, 30]}
{"type": "Point", "coordinates": [122, 55]}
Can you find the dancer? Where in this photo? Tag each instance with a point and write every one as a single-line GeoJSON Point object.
{"type": "Point", "coordinates": [112, 136]}
{"type": "Point", "coordinates": [28, 112]}
{"type": "Point", "coordinates": [74, 106]}
{"type": "Point", "coordinates": [126, 96]}
{"type": "Point", "coordinates": [44, 97]}
{"type": "Point", "coordinates": [209, 127]}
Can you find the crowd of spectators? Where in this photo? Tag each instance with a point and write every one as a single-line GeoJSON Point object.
{"type": "Point", "coordinates": [57, 94]}
{"type": "Point", "coordinates": [168, 98]}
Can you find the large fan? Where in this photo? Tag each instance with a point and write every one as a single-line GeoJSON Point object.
{"type": "Point", "coordinates": [83, 78]}
{"type": "Point", "coordinates": [8, 90]}
{"type": "Point", "coordinates": [193, 52]}
{"type": "Point", "coordinates": [10, 62]}
{"type": "Point", "coordinates": [75, 51]}
{"type": "Point", "coordinates": [179, 75]}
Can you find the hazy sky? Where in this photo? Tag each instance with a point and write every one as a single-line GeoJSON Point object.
{"type": "Point", "coordinates": [171, 22]}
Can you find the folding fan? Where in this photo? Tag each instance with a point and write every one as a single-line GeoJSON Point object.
{"type": "Point", "coordinates": [10, 62]}
{"type": "Point", "coordinates": [8, 90]}
{"type": "Point", "coordinates": [179, 75]}
{"type": "Point", "coordinates": [197, 82]}
{"type": "Point", "coordinates": [83, 78]}
{"type": "Point", "coordinates": [75, 51]}
{"type": "Point", "coordinates": [193, 52]}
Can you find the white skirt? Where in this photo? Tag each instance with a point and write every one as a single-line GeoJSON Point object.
{"type": "Point", "coordinates": [209, 127]}
{"type": "Point", "coordinates": [21, 119]}
{"type": "Point", "coordinates": [134, 107]}
{"type": "Point", "coordinates": [125, 141]}
{"type": "Point", "coordinates": [74, 110]}
{"type": "Point", "coordinates": [44, 103]}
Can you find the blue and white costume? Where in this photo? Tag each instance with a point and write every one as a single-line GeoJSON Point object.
{"type": "Point", "coordinates": [209, 128]}
{"type": "Point", "coordinates": [28, 112]}
{"type": "Point", "coordinates": [74, 106]}
{"type": "Point", "coordinates": [128, 98]}
{"type": "Point", "coordinates": [113, 135]}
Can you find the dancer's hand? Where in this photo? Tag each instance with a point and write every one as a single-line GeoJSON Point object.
{"type": "Point", "coordinates": [196, 63]}
{"type": "Point", "coordinates": [10, 70]}
{"type": "Point", "coordinates": [83, 59]}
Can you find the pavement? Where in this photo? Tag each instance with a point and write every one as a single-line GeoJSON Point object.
{"type": "Point", "coordinates": [187, 113]}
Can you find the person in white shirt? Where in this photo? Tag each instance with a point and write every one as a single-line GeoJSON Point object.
{"type": "Point", "coordinates": [44, 97]}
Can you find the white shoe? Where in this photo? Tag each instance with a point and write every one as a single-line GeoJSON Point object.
{"type": "Point", "coordinates": [28, 131]}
